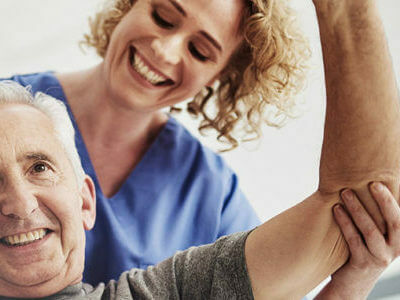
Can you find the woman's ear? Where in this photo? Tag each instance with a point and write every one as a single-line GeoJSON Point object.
{"type": "Point", "coordinates": [88, 195]}
{"type": "Point", "coordinates": [213, 80]}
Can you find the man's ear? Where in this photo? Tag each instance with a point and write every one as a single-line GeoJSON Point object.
{"type": "Point", "coordinates": [88, 194]}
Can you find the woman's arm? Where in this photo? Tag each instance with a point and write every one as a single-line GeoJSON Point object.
{"type": "Point", "coordinates": [290, 254]}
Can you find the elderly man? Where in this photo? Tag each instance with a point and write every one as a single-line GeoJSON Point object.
{"type": "Point", "coordinates": [46, 201]}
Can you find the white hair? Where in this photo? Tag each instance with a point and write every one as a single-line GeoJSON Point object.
{"type": "Point", "coordinates": [55, 110]}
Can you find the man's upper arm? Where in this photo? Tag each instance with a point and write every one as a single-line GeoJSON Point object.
{"type": "Point", "coordinates": [214, 271]}
{"type": "Point", "coordinates": [293, 252]}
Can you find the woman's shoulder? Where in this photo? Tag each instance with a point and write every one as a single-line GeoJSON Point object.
{"type": "Point", "coordinates": [44, 82]}
{"type": "Point", "coordinates": [38, 78]}
{"type": "Point", "coordinates": [179, 143]}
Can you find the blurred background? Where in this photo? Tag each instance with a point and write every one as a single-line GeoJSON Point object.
{"type": "Point", "coordinates": [275, 173]}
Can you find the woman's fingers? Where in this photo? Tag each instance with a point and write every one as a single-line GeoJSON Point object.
{"type": "Point", "coordinates": [356, 245]}
{"type": "Point", "coordinates": [373, 238]}
{"type": "Point", "coordinates": [391, 213]}
{"type": "Point", "coordinates": [370, 205]}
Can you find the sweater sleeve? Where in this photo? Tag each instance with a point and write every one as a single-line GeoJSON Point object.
{"type": "Point", "coordinates": [214, 271]}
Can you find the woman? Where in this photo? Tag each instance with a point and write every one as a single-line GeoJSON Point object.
{"type": "Point", "coordinates": [152, 177]}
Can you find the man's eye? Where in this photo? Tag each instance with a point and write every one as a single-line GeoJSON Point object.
{"type": "Point", "coordinates": [160, 21]}
{"type": "Point", "coordinates": [196, 53]}
{"type": "Point", "coordinates": [39, 168]}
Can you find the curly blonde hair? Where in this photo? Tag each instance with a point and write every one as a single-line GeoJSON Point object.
{"type": "Point", "coordinates": [260, 81]}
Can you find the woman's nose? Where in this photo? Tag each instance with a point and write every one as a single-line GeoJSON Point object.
{"type": "Point", "coordinates": [168, 49]}
{"type": "Point", "coordinates": [17, 200]}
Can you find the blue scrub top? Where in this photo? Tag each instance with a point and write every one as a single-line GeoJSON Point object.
{"type": "Point", "coordinates": [180, 194]}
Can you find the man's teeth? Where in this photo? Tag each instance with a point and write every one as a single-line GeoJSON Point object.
{"type": "Point", "coordinates": [24, 238]}
{"type": "Point", "coordinates": [143, 70]}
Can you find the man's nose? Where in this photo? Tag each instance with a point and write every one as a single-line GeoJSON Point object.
{"type": "Point", "coordinates": [169, 49]}
{"type": "Point", "coordinates": [17, 200]}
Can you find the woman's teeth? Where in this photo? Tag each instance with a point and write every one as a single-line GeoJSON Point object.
{"type": "Point", "coordinates": [24, 238]}
{"type": "Point", "coordinates": [145, 72]}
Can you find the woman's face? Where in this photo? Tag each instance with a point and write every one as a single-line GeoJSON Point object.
{"type": "Point", "coordinates": [165, 51]}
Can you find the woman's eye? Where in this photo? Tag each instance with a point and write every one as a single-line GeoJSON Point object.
{"type": "Point", "coordinates": [196, 53]}
{"type": "Point", "coordinates": [160, 21]}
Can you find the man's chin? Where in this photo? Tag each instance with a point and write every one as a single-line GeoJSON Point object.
{"type": "Point", "coordinates": [40, 283]}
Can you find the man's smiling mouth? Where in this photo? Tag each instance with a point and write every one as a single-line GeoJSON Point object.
{"type": "Point", "coordinates": [145, 72]}
{"type": "Point", "coordinates": [26, 238]}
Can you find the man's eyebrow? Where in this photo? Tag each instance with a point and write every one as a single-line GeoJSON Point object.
{"type": "Point", "coordinates": [180, 9]}
{"type": "Point", "coordinates": [36, 156]}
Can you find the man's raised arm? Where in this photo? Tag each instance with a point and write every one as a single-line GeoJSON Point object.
{"type": "Point", "coordinates": [290, 254]}
{"type": "Point", "coordinates": [362, 129]}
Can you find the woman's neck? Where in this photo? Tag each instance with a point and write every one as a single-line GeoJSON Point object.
{"type": "Point", "coordinates": [108, 130]}
{"type": "Point", "coordinates": [98, 116]}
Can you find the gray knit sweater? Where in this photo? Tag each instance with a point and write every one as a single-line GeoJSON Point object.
{"type": "Point", "coordinates": [214, 271]}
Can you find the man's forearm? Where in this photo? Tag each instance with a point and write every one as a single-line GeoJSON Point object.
{"type": "Point", "coordinates": [362, 128]}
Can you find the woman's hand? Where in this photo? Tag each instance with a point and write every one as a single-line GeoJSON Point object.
{"type": "Point", "coordinates": [371, 252]}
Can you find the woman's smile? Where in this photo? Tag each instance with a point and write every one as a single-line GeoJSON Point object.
{"type": "Point", "coordinates": [147, 71]}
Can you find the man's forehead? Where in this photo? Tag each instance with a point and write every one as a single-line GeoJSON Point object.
{"type": "Point", "coordinates": [22, 116]}
{"type": "Point", "coordinates": [25, 129]}
{"type": "Point", "coordinates": [19, 109]}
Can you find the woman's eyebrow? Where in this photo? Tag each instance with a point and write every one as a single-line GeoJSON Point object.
{"type": "Point", "coordinates": [212, 40]}
{"type": "Point", "coordinates": [180, 9]}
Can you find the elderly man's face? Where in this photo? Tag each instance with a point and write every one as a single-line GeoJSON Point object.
{"type": "Point", "coordinates": [43, 212]}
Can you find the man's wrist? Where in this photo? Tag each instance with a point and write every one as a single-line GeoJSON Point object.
{"type": "Point", "coordinates": [335, 8]}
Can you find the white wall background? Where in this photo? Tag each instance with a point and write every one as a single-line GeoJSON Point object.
{"type": "Point", "coordinates": [275, 173]}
